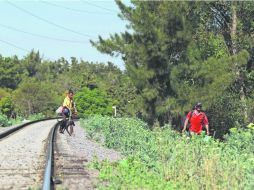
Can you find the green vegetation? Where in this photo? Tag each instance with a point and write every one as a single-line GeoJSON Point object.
{"type": "Point", "coordinates": [41, 85]}
{"type": "Point", "coordinates": [5, 121]}
{"type": "Point", "coordinates": [93, 101]}
{"type": "Point", "coordinates": [6, 105]}
{"type": "Point", "coordinates": [181, 52]}
{"type": "Point", "coordinates": [165, 159]}
{"type": "Point", "coordinates": [130, 174]}
{"type": "Point", "coordinates": [176, 53]}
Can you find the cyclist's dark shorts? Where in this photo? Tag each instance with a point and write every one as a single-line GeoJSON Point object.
{"type": "Point", "coordinates": [66, 112]}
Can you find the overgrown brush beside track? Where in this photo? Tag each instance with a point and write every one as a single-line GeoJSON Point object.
{"type": "Point", "coordinates": [123, 135]}
{"type": "Point", "coordinates": [5, 122]}
{"type": "Point", "coordinates": [164, 159]}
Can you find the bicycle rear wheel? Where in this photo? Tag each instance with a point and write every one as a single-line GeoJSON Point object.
{"type": "Point", "coordinates": [62, 127]}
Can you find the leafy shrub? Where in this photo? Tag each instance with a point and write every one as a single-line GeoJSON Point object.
{"type": "Point", "coordinates": [3, 120]}
{"type": "Point", "coordinates": [6, 106]}
{"type": "Point", "coordinates": [36, 116]}
{"type": "Point", "coordinates": [93, 102]}
{"type": "Point", "coordinates": [241, 140]}
{"type": "Point", "coordinates": [130, 173]}
{"type": "Point", "coordinates": [123, 135]}
{"type": "Point", "coordinates": [225, 113]}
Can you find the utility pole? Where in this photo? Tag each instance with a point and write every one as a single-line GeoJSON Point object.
{"type": "Point", "coordinates": [114, 107]}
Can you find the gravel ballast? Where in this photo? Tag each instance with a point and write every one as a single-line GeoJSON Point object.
{"type": "Point", "coordinates": [22, 158]}
{"type": "Point", "coordinates": [72, 157]}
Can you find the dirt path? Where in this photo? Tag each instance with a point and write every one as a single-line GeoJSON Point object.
{"type": "Point", "coordinates": [72, 156]}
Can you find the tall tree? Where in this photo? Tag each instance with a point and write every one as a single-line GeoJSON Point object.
{"type": "Point", "coordinates": [172, 48]}
{"type": "Point", "coordinates": [34, 96]}
{"type": "Point", "coordinates": [32, 62]}
{"type": "Point", "coordinates": [158, 38]}
{"type": "Point", "coordinates": [234, 20]}
{"type": "Point", "coordinates": [12, 71]}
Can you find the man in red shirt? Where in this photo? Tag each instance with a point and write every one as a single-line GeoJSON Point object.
{"type": "Point", "coordinates": [197, 119]}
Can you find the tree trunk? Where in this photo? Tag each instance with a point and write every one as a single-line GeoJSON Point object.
{"type": "Point", "coordinates": [237, 69]}
{"type": "Point", "coordinates": [29, 108]}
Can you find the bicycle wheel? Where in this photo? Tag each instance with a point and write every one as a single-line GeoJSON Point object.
{"type": "Point", "coordinates": [63, 125]}
{"type": "Point", "coordinates": [68, 123]}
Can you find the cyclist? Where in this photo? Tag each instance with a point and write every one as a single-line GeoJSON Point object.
{"type": "Point", "coordinates": [197, 119]}
{"type": "Point", "coordinates": [68, 108]}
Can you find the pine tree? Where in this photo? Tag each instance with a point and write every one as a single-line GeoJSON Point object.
{"type": "Point", "coordinates": [157, 40]}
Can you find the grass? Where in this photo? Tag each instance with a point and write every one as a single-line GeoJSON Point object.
{"type": "Point", "coordinates": [165, 159]}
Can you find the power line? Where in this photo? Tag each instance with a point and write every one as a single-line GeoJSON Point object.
{"type": "Point", "coordinates": [47, 21]}
{"type": "Point", "coordinates": [13, 45]}
{"type": "Point", "coordinates": [111, 10]}
{"type": "Point", "coordinates": [20, 48]}
{"type": "Point", "coordinates": [72, 9]}
{"type": "Point", "coordinates": [41, 36]}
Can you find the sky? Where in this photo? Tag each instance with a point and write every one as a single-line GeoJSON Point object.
{"type": "Point", "coordinates": [58, 28]}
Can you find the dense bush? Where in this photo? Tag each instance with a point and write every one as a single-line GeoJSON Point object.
{"type": "Point", "coordinates": [36, 116]}
{"type": "Point", "coordinates": [199, 162]}
{"type": "Point", "coordinates": [7, 106]}
{"type": "Point", "coordinates": [225, 113]}
{"type": "Point", "coordinates": [3, 120]}
{"type": "Point", "coordinates": [123, 135]}
{"type": "Point", "coordinates": [34, 97]}
{"type": "Point", "coordinates": [130, 173]}
{"type": "Point", "coordinates": [93, 101]}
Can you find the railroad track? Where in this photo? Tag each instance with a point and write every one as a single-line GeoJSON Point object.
{"type": "Point", "coordinates": [55, 165]}
{"type": "Point", "coordinates": [70, 171]}
{"type": "Point", "coordinates": [36, 156]}
{"type": "Point", "coordinates": [22, 158]}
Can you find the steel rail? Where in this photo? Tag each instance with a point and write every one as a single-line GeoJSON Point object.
{"type": "Point", "coordinates": [47, 180]}
{"type": "Point", "coordinates": [48, 183]}
{"type": "Point", "coordinates": [12, 130]}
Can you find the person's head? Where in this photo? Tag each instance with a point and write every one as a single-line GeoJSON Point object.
{"type": "Point", "coordinates": [198, 106]}
{"type": "Point", "coordinates": [70, 93]}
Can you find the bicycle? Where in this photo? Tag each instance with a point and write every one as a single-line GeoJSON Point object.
{"type": "Point", "coordinates": [64, 124]}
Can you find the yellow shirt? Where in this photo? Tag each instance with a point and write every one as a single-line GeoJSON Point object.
{"type": "Point", "coordinates": [68, 103]}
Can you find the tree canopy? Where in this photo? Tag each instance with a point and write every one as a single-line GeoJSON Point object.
{"type": "Point", "coordinates": [177, 53]}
